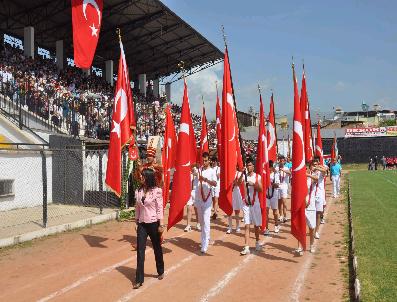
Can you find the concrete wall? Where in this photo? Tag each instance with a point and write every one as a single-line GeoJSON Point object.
{"type": "Point", "coordinates": [26, 169]}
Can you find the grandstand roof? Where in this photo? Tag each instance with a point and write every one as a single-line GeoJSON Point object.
{"type": "Point", "coordinates": [155, 39]}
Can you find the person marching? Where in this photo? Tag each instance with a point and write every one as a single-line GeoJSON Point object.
{"type": "Point", "coordinates": [320, 192]}
{"type": "Point", "coordinates": [149, 222]}
{"type": "Point", "coordinates": [336, 171]}
{"type": "Point", "coordinates": [251, 207]}
{"type": "Point", "coordinates": [150, 164]}
{"type": "Point", "coordinates": [190, 204]}
{"type": "Point", "coordinates": [216, 189]}
{"type": "Point", "coordinates": [284, 174]}
{"type": "Point", "coordinates": [207, 179]}
{"type": "Point", "coordinates": [237, 202]}
{"type": "Point", "coordinates": [310, 211]}
{"type": "Point", "coordinates": [272, 197]}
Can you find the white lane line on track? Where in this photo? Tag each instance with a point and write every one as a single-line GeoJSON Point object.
{"type": "Point", "coordinates": [389, 181]}
{"type": "Point", "coordinates": [153, 281]}
{"type": "Point", "coordinates": [225, 279]}
{"type": "Point", "coordinates": [93, 275]}
{"type": "Point", "coordinates": [299, 281]}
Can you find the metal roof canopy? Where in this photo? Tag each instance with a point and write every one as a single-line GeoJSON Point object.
{"type": "Point", "coordinates": [155, 39]}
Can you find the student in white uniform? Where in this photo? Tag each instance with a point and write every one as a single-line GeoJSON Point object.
{"type": "Point", "coordinates": [190, 204]}
{"type": "Point", "coordinates": [251, 207]}
{"type": "Point", "coordinates": [237, 202]}
{"type": "Point", "coordinates": [284, 173]}
{"type": "Point", "coordinates": [272, 196]}
{"type": "Point", "coordinates": [216, 189]}
{"type": "Point", "coordinates": [320, 192]}
{"type": "Point", "coordinates": [203, 202]}
{"type": "Point", "coordinates": [310, 211]}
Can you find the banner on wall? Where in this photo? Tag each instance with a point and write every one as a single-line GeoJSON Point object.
{"type": "Point", "coordinates": [371, 131]}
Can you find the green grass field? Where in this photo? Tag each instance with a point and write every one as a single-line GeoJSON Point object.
{"type": "Point", "coordinates": [374, 210]}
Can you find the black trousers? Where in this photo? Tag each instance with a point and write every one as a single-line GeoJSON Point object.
{"type": "Point", "coordinates": [151, 229]}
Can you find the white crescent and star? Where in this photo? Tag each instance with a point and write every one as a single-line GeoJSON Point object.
{"type": "Point", "coordinates": [299, 131]}
{"type": "Point", "coordinates": [124, 104]}
{"type": "Point", "coordinates": [184, 128]}
{"type": "Point", "coordinates": [272, 135]}
{"type": "Point", "coordinates": [94, 30]}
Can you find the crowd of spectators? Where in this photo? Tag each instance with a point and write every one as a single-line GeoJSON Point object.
{"type": "Point", "coordinates": [81, 104]}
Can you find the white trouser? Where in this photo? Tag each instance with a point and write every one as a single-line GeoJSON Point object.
{"type": "Point", "coordinates": [204, 216]}
{"type": "Point", "coordinates": [336, 184]}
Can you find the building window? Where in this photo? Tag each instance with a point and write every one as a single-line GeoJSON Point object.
{"type": "Point", "coordinates": [6, 187]}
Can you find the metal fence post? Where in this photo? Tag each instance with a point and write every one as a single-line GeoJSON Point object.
{"type": "Point", "coordinates": [100, 180]}
{"type": "Point", "coordinates": [44, 177]}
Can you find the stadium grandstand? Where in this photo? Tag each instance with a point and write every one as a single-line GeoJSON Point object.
{"type": "Point", "coordinates": [38, 72]}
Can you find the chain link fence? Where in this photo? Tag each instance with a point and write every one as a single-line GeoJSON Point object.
{"type": "Point", "coordinates": [48, 187]}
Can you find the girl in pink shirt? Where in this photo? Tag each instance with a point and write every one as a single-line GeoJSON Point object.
{"type": "Point", "coordinates": [149, 222]}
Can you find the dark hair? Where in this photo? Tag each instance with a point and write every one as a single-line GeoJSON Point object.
{"type": "Point", "coordinates": [271, 163]}
{"type": "Point", "coordinates": [149, 178]}
{"type": "Point", "coordinates": [281, 157]}
{"type": "Point", "coordinates": [316, 158]}
{"type": "Point", "coordinates": [249, 160]}
{"type": "Point", "coordinates": [205, 154]}
{"type": "Point", "coordinates": [214, 158]}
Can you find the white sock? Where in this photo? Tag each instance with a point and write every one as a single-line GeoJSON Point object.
{"type": "Point", "coordinates": [229, 218]}
{"type": "Point", "coordinates": [237, 222]}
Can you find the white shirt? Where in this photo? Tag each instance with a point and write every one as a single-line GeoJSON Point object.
{"type": "Point", "coordinates": [320, 182]}
{"type": "Point", "coordinates": [251, 190]}
{"type": "Point", "coordinates": [194, 179]}
{"type": "Point", "coordinates": [311, 196]}
{"type": "Point", "coordinates": [217, 170]}
{"type": "Point", "coordinates": [274, 179]}
{"type": "Point", "coordinates": [210, 174]}
{"type": "Point", "coordinates": [284, 177]}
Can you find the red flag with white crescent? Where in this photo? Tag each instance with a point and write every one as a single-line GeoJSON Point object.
{"type": "Point", "coordinates": [306, 122]}
{"type": "Point", "coordinates": [272, 135]}
{"type": "Point", "coordinates": [298, 186]}
{"type": "Point", "coordinates": [262, 162]}
{"type": "Point", "coordinates": [228, 140]}
{"type": "Point", "coordinates": [319, 145]}
{"type": "Point", "coordinates": [181, 184]}
{"type": "Point", "coordinates": [133, 152]}
{"type": "Point", "coordinates": [204, 147]}
{"type": "Point", "coordinates": [87, 21]}
{"type": "Point", "coordinates": [169, 152]}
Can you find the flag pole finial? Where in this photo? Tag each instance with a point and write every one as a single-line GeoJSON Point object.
{"type": "Point", "coordinates": [181, 66]}
{"type": "Point", "coordinates": [224, 35]}
{"type": "Point", "coordinates": [118, 31]}
{"type": "Point", "coordinates": [259, 89]}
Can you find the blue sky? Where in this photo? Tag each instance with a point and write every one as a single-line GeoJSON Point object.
{"type": "Point", "coordinates": [349, 48]}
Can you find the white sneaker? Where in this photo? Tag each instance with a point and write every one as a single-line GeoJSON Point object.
{"type": "Point", "coordinates": [198, 227]}
{"type": "Point", "coordinates": [285, 219]}
{"type": "Point", "coordinates": [245, 251]}
{"type": "Point", "coordinates": [266, 232]}
{"type": "Point", "coordinates": [322, 221]}
{"type": "Point", "coordinates": [317, 235]}
{"type": "Point", "coordinates": [238, 230]}
{"type": "Point", "coordinates": [258, 246]}
{"type": "Point", "coordinates": [203, 251]}
{"type": "Point", "coordinates": [188, 228]}
{"type": "Point", "coordinates": [312, 249]}
{"type": "Point", "coordinates": [281, 219]}
{"type": "Point", "coordinates": [276, 229]}
{"type": "Point", "coordinates": [299, 251]}
{"type": "Point", "coordinates": [228, 231]}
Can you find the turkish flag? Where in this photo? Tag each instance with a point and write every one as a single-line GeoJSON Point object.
{"type": "Point", "coordinates": [169, 152]}
{"type": "Point", "coordinates": [130, 98]}
{"type": "Point", "coordinates": [203, 137]}
{"type": "Point", "coordinates": [262, 162]}
{"type": "Point", "coordinates": [319, 145]}
{"type": "Point", "coordinates": [133, 152]}
{"type": "Point", "coordinates": [218, 125]}
{"type": "Point", "coordinates": [272, 136]}
{"type": "Point", "coordinates": [298, 187]}
{"type": "Point", "coordinates": [229, 141]}
{"type": "Point", "coordinates": [181, 184]}
{"type": "Point", "coordinates": [306, 122]}
{"type": "Point", "coordinates": [120, 133]}
{"type": "Point", "coordinates": [87, 21]}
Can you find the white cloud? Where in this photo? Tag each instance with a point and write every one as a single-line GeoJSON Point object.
{"type": "Point", "coordinates": [201, 84]}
